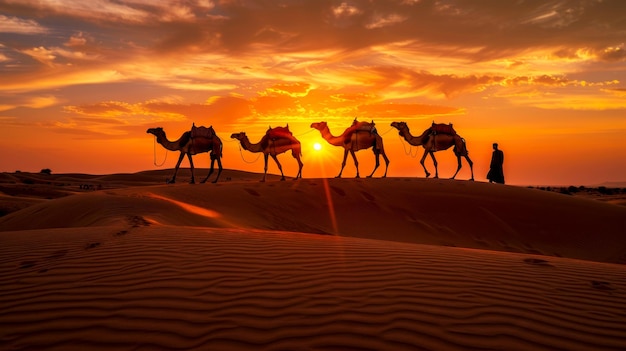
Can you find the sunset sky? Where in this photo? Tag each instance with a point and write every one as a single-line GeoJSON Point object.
{"type": "Point", "coordinates": [81, 81]}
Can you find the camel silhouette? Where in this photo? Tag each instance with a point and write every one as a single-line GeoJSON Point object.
{"type": "Point", "coordinates": [433, 141]}
{"type": "Point", "coordinates": [274, 142]}
{"type": "Point", "coordinates": [188, 145]}
{"type": "Point", "coordinates": [359, 136]}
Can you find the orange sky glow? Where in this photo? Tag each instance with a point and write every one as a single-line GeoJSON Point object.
{"type": "Point", "coordinates": [82, 81]}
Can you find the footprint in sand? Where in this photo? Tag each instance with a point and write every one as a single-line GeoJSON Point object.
{"type": "Point", "coordinates": [138, 221]}
{"type": "Point", "coordinates": [91, 246]}
{"type": "Point", "coordinates": [596, 284]}
{"type": "Point", "coordinates": [27, 264]}
{"type": "Point", "coordinates": [252, 192]}
{"type": "Point", "coordinates": [537, 262]}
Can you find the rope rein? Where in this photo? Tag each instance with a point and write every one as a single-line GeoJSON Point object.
{"type": "Point", "coordinates": [154, 155]}
{"type": "Point", "coordinates": [388, 130]}
{"type": "Point", "coordinates": [244, 159]}
{"type": "Point", "coordinates": [410, 151]}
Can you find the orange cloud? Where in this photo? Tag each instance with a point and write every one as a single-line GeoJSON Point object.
{"type": "Point", "coordinates": [21, 26]}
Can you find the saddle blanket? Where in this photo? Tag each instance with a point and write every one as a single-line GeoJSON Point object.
{"type": "Point", "coordinates": [441, 128]}
{"type": "Point", "coordinates": [202, 132]}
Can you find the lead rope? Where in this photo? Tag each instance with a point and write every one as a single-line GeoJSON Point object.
{"type": "Point", "coordinates": [154, 155]}
{"type": "Point", "coordinates": [244, 159]}
{"type": "Point", "coordinates": [410, 151]}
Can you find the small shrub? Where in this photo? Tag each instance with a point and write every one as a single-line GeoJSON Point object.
{"type": "Point", "coordinates": [47, 171]}
{"type": "Point", "coordinates": [573, 189]}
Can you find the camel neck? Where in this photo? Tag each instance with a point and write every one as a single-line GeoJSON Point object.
{"type": "Point", "coordinates": [247, 145]}
{"type": "Point", "coordinates": [413, 140]}
{"type": "Point", "coordinates": [170, 145]}
{"type": "Point", "coordinates": [331, 139]}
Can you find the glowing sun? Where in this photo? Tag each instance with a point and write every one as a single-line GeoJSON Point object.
{"type": "Point", "coordinates": [317, 146]}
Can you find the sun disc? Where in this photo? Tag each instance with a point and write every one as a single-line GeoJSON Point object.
{"type": "Point", "coordinates": [317, 146]}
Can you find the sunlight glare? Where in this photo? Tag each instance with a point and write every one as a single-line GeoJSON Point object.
{"type": "Point", "coordinates": [317, 146]}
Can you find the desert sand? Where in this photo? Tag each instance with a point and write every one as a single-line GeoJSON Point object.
{"type": "Point", "coordinates": [126, 262]}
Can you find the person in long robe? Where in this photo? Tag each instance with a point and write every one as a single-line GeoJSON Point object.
{"type": "Point", "coordinates": [496, 173]}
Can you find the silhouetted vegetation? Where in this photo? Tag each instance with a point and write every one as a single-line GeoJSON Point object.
{"type": "Point", "coordinates": [47, 171]}
{"type": "Point", "coordinates": [580, 190]}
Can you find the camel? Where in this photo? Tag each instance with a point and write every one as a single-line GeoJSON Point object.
{"type": "Point", "coordinates": [273, 146]}
{"type": "Point", "coordinates": [361, 135]}
{"type": "Point", "coordinates": [188, 145]}
{"type": "Point", "coordinates": [433, 142]}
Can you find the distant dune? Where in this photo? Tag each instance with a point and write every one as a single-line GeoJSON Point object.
{"type": "Point", "coordinates": [396, 263]}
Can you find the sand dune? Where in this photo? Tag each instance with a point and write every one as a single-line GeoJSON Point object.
{"type": "Point", "coordinates": [163, 287]}
{"type": "Point", "coordinates": [368, 264]}
{"type": "Point", "coordinates": [425, 211]}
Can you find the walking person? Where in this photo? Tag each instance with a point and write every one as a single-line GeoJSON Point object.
{"type": "Point", "coordinates": [496, 173]}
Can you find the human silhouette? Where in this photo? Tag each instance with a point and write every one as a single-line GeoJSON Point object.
{"type": "Point", "coordinates": [496, 174]}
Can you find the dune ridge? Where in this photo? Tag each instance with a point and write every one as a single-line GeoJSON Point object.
{"type": "Point", "coordinates": [425, 211]}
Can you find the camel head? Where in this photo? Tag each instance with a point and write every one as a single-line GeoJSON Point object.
{"type": "Point", "coordinates": [319, 126]}
{"type": "Point", "coordinates": [239, 136]}
{"type": "Point", "coordinates": [399, 125]}
{"type": "Point", "coordinates": [158, 131]}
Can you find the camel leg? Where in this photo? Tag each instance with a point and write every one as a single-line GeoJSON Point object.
{"type": "Point", "coordinates": [210, 172]}
{"type": "Point", "coordinates": [219, 169]}
{"type": "Point", "coordinates": [382, 151]}
{"type": "Point", "coordinates": [356, 163]}
{"type": "Point", "coordinates": [432, 155]}
{"type": "Point", "coordinates": [219, 163]}
{"type": "Point", "coordinates": [300, 164]}
{"type": "Point", "coordinates": [265, 156]}
{"type": "Point", "coordinates": [422, 163]}
{"type": "Point", "coordinates": [282, 176]}
{"type": "Point", "coordinates": [193, 180]}
{"type": "Point", "coordinates": [377, 156]}
{"type": "Point", "coordinates": [180, 159]}
{"type": "Point", "coordinates": [471, 165]}
{"type": "Point", "coordinates": [343, 163]}
{"type": "Point", "coordinates": [458, 167]}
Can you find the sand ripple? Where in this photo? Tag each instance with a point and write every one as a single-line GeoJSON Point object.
{"type": "Point", "coordinates": [163, 287]}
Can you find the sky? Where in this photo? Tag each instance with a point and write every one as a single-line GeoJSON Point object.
{"type": "Point", "coordinates": [82, 81]}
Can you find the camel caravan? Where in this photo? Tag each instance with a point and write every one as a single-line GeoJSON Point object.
{"type": "Point", "coordinates": [278, 140]}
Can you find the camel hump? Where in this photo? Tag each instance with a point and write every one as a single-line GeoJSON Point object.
{"type": "Point", "coordinates": [279, 132]}
{"type": "Point", "coordinates": [201, 132]}
{"type": "Point", "coordinates": [360, 126]}
{"type": "Point", "coordinates": [442, 128]}
{"type": "Point", "coordinates": [357, 126]}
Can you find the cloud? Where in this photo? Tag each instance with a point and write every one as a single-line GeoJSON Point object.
{"type": "Point", "coordinates": [32, 101]}
{"type": "Point", "coordinates": [219, 107]}
{"type": "Point", "coordinates": [20, 26]}
{"type": "Point", "coordinates": [99, 10]}
{"type": "Point", "coordinates": [345, 10]}
{"type": "Point", "coordinates": [48, 56]}
{"type": "Point", "coordinates": [385, 21]}
{"type": "Point", "coordinates": [613, 53]}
